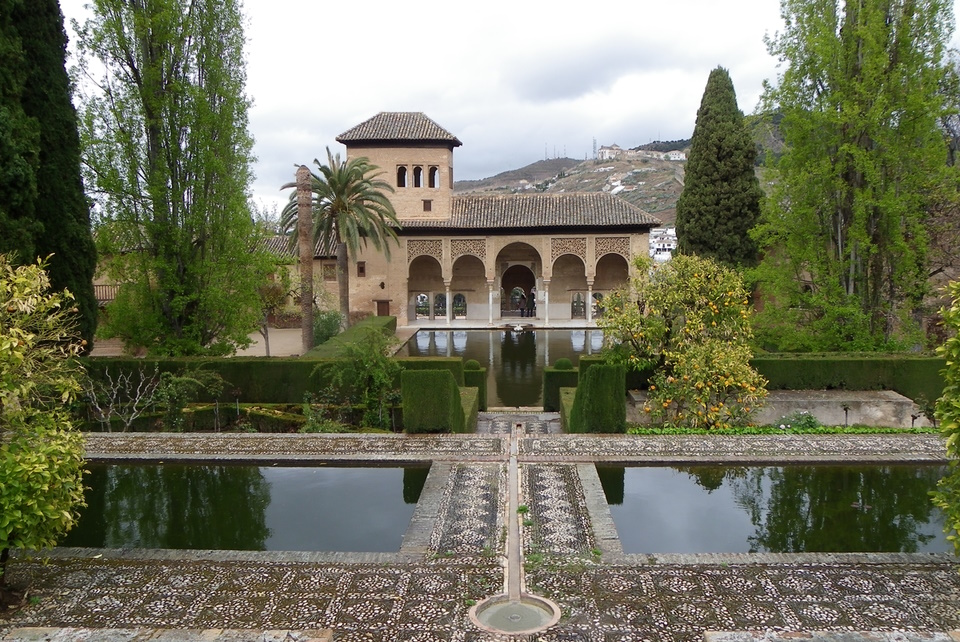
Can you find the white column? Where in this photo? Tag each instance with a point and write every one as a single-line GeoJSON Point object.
{"type": "Point", "coordinates": [589, 301]}
{"type": "Point", "coordinates": [449, 303]}
{"type": "Point", "coordinates": [546, 302]}
{"type": "Point", "coordinates": [489, 302]}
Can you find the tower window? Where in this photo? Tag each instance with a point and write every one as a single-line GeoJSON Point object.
{"type": "Point", "coordinates": [361, 268]}
{"type": "Point", "coordinates": [401, 176]}
{"type": "Point", "coordinates": [433, 178]}
{"type": "Point", "coordinates": [427, 205]}
{"type": "Point", "coordinates": [418, 176]}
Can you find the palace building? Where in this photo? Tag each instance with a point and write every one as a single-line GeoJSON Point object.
{"type": "Point", "coordinates": [478, 257]}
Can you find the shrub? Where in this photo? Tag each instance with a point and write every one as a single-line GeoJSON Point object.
{"type": "Point", "coordinates": [553, 380]}
{"type": "Point", "coordinates": [477, 379]}
{"type": "Point", "coordinates": [471, 364]}
{"type": "Point", "coordinates": [431, 402]}
{"type": "Point", "coordinates": [599, 405]}
{"type": "Point", "coordinates": [947, 496]}
{"type": "Point", "coordinates": [326, 324]}
{"type": "Point", "coordinates": [563, 364]}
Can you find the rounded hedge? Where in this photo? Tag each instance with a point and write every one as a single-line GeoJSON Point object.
{"type": "Point", "coordinates": [563, 364]}
{"type": "Point", "coordinates": [471, 364]}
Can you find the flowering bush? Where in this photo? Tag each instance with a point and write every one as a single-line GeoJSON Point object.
{"type": "Point", "coordinates": [689, 321]}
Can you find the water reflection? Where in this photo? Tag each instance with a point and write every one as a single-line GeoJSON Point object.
{"type": "Point", "coordinates": [779, 509]}
{"type": "Point", "coordinates": [514, 360]}
{"type": "Point", "coordinates": [247, 507]}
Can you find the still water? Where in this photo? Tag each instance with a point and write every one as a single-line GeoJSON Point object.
{"type": "Point", "coordinates": [514, 361]}
{"type": "Point", "coordinates": [777, 509]}
{"type": "Point", "coordinates": [249, 508]}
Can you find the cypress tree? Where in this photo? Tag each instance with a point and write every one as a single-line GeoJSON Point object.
{"type": "Point", "coordinates": [60, 207]}
{"type": "Point", "coordinates": [721, 194]}
{"type": "Point", "coordinates": [19, 145]}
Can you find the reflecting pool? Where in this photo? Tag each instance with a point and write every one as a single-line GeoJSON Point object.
{"type": "Point", "coordinates": [231, 507]}
{"type": "Point", "coordinates": [514, 360]}
{"type": "Point", "coordinates": [777, 509]}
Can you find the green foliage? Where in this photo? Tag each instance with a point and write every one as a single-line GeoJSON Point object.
{"type": "Point", "coordinates": [334, 346]}
{"type": "Point", "coordinates": [367, 376]}
{"type": "Point", "coordinates": [167, 157]}
{"type": "Point", "coordinates": [947, 496]}
{"type": "Point", "coordinates": [689, 321]}
{"type": "Point", "coordinates": [721, 195]}
{"type": "Point", "coordinates": [599, 405]}
{"type": "Point", "coordinates": [471, 364]}
{"type": "Point", "coordinates": [554, 379]}
{"type": "Point", "coordinates": [563, 364]}
{"type": "Point", "coordinates": [476, 378]}
{"type": "Point", "coordinates": [175, 391]}
{"type": "Point", "coordinates": [326, 325]}
{"type": "Point", "coordinates": [41, 465]}
{"type": "Point", "coordinates": [863, 162]}
{"type": "Point", "coordinates": [51, 211]}
{"type": "Point", "coordinates": [801, 420]}
{"type": "Point", "coordinates": [350, 209]}
{"type": "Point", "coordinates": [431, 402]}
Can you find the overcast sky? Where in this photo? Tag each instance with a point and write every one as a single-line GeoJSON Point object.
{"type": "Point", "coordinates": [516, 81]}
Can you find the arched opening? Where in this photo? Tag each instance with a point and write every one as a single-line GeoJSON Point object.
{"type": "Point", "coordinates": [518, 266]}
{"type": "Point", "coordinates": [418, 176]}
{"type": "Point", "coordinates": [612, 273]}
{"type": "Point", "coordinates": [470, 281]}
{"type": "Point", "coordinates": [424, 280]}
{"type": "Point", "coordinates": [517, 282]}
{"type": "Point", "coordinates": [459, 306]}
{"type": "Point", "coordinates": [401, 176]}
{"type": "Point", "coordinates": [433, 178]}
{"type": "Point", "coordinates": [569, 281]}
{"type": "Point", "coordinates": [440, 304]}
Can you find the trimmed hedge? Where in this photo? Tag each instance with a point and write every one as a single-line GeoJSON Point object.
{"type": "Point", "coordinates": [914, 377]}
{"type": "Point", "coordinates": [334, 346]}
{"type": "Point", "coordinates": [600, 405]}
{"type": "Point", "coordinates": [431, 402]}
{"type": "Point", "coordinates": [553, 380]}
{"type": "Point", "coordinates": [470, 404]}
{"type": "Point", "coordinates": [477, 379]}
{"type": "Point", "coordinates": [567, 397]}
{"type": "Point", "coordinates": [453, 364]}
{"type": "Point", "coordinates": [635, 379]}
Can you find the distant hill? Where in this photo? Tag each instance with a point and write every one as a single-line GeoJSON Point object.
{"type": "Point", "coordinates": [652, 184]}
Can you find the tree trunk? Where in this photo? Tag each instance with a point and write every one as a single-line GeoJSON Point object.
{"type": "Point", "coordinates": [305, 240]}
{"type": "Point", "coordinates": [343, 283]}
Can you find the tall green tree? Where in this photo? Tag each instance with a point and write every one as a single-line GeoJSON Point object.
{"type": "Point", "coordinates": [167, 155]}
{"type": "Point", "coordinates": [45, 211]}
{"type": "Point", "coordinates": [720, 202]}
{"type": "Point", "coordinates": [350, 209]}
{"type": "Point", "coordinates": [845, 222]}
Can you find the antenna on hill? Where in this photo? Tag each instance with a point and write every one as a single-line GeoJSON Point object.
{"type": "Point", "coordinates": [594, 149]}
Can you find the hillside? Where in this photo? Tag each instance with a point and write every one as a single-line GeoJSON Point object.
{"type": "Point", "coordinates": [652, 184]}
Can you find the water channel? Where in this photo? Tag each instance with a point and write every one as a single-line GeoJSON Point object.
{"type": "Point", "coordinates": [247, 508]}
{"type": "Point", "coordinates": [776, 509]}
{"type": "Point", "coordinates": [514, 360]}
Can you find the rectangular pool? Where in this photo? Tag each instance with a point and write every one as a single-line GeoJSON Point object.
{"type": "Point", "coordinates": [237, 507]}
{"type": "Point", "coordinates": [776, 509]}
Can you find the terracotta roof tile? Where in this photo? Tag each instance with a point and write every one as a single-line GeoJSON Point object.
{"type": "Point", "coordinates": [398, 126]}
{"type": "Point", "coordinates": [481, 211]}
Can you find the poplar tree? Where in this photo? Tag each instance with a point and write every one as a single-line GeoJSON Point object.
{"type": "Point", "coordinates": [168, 155]}
{"type": "Point", "coordinates": [43, 210]}
{"type": "Point", "coordinates": [845, 225]}
{"type": "Point", "coordinates": [721, 195]}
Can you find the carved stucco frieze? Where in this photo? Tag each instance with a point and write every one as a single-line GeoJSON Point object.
{"type": "Point", "coordinates": [425, 247]}
{"type": "Point", "coordinates": [613, 245]}
{"type": "Point", "coordinates": [476, 247]}
{"type": "Point", "coordinates": [576, 246]}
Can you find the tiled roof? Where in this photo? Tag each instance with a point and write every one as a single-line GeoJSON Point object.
{"type": "Point", "coordinates": [398, 126]}
{"type": "Point", "coordinates": [490, 212]}
{"type": "Point", "coordinates": [280, 245]}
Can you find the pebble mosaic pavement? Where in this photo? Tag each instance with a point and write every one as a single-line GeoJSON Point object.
{"type": "Point", "coordinates": [453, 553]}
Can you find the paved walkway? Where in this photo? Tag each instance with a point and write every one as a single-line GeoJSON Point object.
{"type": "Point", "coordinates": [452, 555]}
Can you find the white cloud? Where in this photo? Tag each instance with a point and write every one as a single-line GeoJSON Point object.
{"type": "Point", "coordinates": [514, 81]}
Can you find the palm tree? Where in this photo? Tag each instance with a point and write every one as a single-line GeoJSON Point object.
{"type": "Point", "coordinates": [350, 208]}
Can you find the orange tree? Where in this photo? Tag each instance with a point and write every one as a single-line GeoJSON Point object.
{"type": "Point", "coordinates": [688, 321]}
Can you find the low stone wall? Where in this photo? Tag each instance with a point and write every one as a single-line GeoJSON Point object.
{"type": "Point", "coordinates": [880, 408]}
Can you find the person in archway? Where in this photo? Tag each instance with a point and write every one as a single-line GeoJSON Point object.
{"type": "Point", "coordinates": [532, 302]}
{"type": "Point", "coordinates": [522, 303]}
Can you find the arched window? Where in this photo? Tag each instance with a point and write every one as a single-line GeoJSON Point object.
{"type": "Point", "coordinates": [440, 305]}
{"type": "Point", "coordinates": [433, 178]}
{"type": "Point", "coordinates": [459, 306]}
{"type": "Point", "coordinates": [577, 308]}
{"type": "Point", "coordinates": [418, 176]}
{"type": "Point", "coordinates": [401, 176]}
